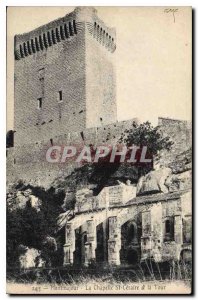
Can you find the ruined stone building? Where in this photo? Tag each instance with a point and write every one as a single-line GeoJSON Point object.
{"type": "Point", "coordinates": [65, 93]}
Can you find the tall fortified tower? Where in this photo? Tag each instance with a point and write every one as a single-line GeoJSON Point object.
{"type": "Point", "coordinates": [64, 77]}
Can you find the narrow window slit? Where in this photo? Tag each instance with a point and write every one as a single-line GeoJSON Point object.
{"type": "Point", "coordinates": [66, 31]}
{"type": "Point", "coordinates": [74, 26]}
{"type": "Point", "coordinates": [29, 48]}
{"type": "Point", "coordinates": [39, 103]}
{"type": "Point", "coordinates": [40, 42]}
{"type": "Point", "coordinates": [62, 33]}
{"type": "Point", "coordinates": [57, 35]}
{"type": "Point", "coordinates": [70, 29]}
{"type": "Point", "coordinates": [37, 44]}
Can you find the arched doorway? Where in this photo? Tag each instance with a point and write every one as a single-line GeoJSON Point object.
{"type": "Point", "coordinates": [130, 243]}
{"type": "Point", "coordinates": [80, 241]}
{"type": "Point", "coordinates": [132, 256]}
{"type": "Point", "coordinates": [102, 238]}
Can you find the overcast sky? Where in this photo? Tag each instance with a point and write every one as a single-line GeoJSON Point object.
{"type": "Point", "coordinates": [153, 57]}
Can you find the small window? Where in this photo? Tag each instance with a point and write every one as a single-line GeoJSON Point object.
{"type": "Point", "coordinates": [169, 229]}
{"type": "Point", "coordinates": [39, 103]}
{"type": "Point", "coordinates": [60, 96]}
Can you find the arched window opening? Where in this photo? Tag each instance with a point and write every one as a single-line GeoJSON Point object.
{"type": "Point", "coordinates": [49, 38]}
{"type": "Point", "coordinates": [21, 51]}
{"type": "Point", "coordinates": [45, 40]}
{"type": "Point", "coordinates": [66, 31]}
{"type": "Point", "coordinates": [37, 44]}
{"type": "Point", "coordinates": [33, 46]}
{"type": "Point", "coordinates": [57, 35]}
{"type": "Point", "coordinates": [40, 42]}
{"type": "Point", "coordinates": [53, 37]}
{"type": "Point", "coordinates": [74, 26]}
{"type": "Point", "coordinates": [169, 229]}
{"type": "Point", "coordinates": [25, 49]}
{"type": "Point", "coordinates": [29, 48]}
{"type": "Point", "coordinates": [62, 33]}
{"type": "Point", "coordinates": [70, 29]}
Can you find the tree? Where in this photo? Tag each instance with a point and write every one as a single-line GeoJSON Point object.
{"type": "Point", "coordinates": [146, 135]}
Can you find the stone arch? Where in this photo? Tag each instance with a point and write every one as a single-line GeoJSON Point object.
{"type": "Point", "coordinates": [101, 242]}
{"type": "Point", "coordinates": [130, 243]}
{"type": "Point", "coordinates": [186, 256]}
{"type": "Point", "coordinates": [80, 242]}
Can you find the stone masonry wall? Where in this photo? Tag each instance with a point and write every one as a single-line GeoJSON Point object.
{"type": "Point", "coordinates": [28, 161]}
{"type": "Point", "coordinates": [64, 77]}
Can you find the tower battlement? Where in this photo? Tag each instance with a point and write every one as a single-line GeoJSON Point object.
{"type": "Point", "coordinates": [63, 29]}
{"type": "Point", "coordinates": [64, 77]}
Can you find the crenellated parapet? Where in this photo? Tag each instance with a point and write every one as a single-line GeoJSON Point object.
{"type": "Point", "coordinates": [46, 39]}
{"type": "Point", "coordinates": [64, 29]}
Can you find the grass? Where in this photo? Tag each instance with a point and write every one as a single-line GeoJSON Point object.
{"type": "Point", "coordinates": [145, 272]}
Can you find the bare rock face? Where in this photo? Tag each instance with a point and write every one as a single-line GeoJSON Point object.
{"type": "Point", "coordinates": [30, 258]}
{"type": "Point", "coordinates": [153, 182]}
{"type": "Point", "coordinates": [177, 182]}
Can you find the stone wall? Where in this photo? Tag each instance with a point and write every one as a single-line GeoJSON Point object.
{"type": "Point", "coordinates": [64, 77]}
{"type": "Point", "coordinates": [154, 238]}
{"type": "Point", "coordinates": [28, 162]}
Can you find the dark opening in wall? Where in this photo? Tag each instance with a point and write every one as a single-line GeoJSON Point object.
{"type": "Point", "coordinates": [74, 26]}
{"type": "Point", "coordinates": [60, 96]}
{"type": "Point", "coordinates": [40, 42]}
{"type": "Point", "coordinates": [33, 46]}
{"type": "Point", "coordinates": [169, 229]}
{"type": "Point", "coordinates": [101, 34]}
{"type": "Point", "coordinates": [53, 37]}
{"type": "Point", "coordinates": [49, 38]}
{"type": "Point", "coordinates": [37, 44]}
{"type": "Point", "coordinates": [39, 103]}
{"type": "Point", "coordinates": [100, 119]}
{"type": "Point", "coordinates": [82, 135]}
{"type": "Point", "coordinates": [57, 35]}
{"type": "Point", "coordinates": [10, 139]}
{"type": "Point", "coordinates": [98, 32]}
{"type": "Point", "coordinates": [21, 51]}
{"type": "Point", "coordinates": [51, 142]}
{"type": "Point", "coordinates": [66, 31]}
{"type": "Point", "coordinates": [29, 48]}
{"type": "Point", "coordinates": [70, 29]}
{"type": "Point", "coordinates": [25, 49]}
{"type": "Point", "coordinates": [62, 33]}
{"type": "Point", "coordinates": [45, 40]}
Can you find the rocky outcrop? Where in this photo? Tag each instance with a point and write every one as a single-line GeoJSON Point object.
{"type": "Point", "coordinates": [177, 182]}
{"type": "Point", "coordinates": [153, 182]}
{"type": "Point", "coordinates": [31, 258]}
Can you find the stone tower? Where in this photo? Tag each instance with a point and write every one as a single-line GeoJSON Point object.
{"type": "Point", "coordinates": [64, 77]}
